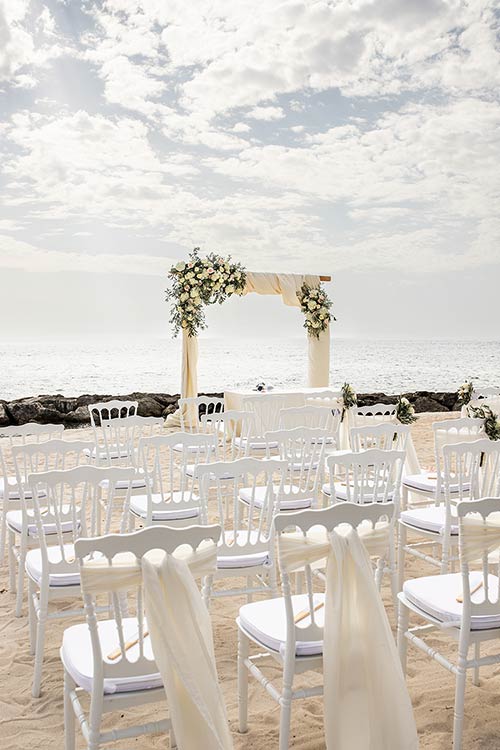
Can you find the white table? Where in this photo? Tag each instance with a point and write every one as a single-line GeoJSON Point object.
{"type": "Point", "coordinates": [293, 396]}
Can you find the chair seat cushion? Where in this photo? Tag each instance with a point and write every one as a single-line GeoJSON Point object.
{"type": "Point", "coordinates": [76, 655]}
{"type": "Point", "coordinates": [179, 447]}
{"type": "Point", "coordinates": [266, 622]}
{"type": "Point", "coordinates": [288, 502]}
{"type": "Point", "coordinates": [429, 519]}
{"type": "Point", "coordinates": [245, 559]}
{"type": "Point", "coordinates": [437, 596]}
{"type": "Point", "coordinates": [341, 492]}
{"type": "Point", "coordinates": [113, 453]}
{"type": "Point", "coordinates": [427, 482]}
{"type": "Point", "coordinates": [70, 577]}
{"type": "Point", "coordinates": [254, 444]}
{"type": "Point", "coordinates": [176, 508]}
{"type": "Point", "coordinates": [15, 523]}
{"type": "Point", "coordinates": [14, 493]}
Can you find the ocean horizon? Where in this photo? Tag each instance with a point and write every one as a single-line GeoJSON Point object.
{"type": "Point", "coordinates": [120, 365]}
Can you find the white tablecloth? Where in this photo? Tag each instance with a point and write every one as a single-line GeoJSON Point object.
{"type": "Point", "coordinates": [294, 397]}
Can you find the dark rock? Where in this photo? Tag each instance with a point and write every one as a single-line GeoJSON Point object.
{"type": "Point", "coordinates": [149, 407]}
{"type": "Point", "coordinates": [79, 416]}
{"type": "Point", "coordinates": [426, 403]}
{"type": "Point", "coordinates": [4, 414]}
{"type": "Point", "coordinates": [169, 410]}
{"type": "Point", "coordinates": [32, 410]}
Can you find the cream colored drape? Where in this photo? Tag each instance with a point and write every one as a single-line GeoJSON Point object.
{"type": "Point", "coordinates": [366, 702]}
{"type": "Point", "coordinates": [181, 636]}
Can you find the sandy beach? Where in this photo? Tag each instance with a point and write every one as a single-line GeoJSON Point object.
{"type": "Point", "coordinates": [38, 723]}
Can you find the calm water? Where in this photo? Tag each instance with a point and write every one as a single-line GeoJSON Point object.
{"type": "Point", "coordinates": [120, 366]}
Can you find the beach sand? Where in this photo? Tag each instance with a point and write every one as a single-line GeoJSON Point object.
{"type": "Point", "coordinates": [38, 723]}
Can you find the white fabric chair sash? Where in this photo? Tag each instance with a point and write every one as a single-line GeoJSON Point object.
{"type": "Point", "coordinates": [181, 635]}
{"type": "Point", "coordinates": [366, 703]}
{"type": "Point", "coordinates": [479, 536]}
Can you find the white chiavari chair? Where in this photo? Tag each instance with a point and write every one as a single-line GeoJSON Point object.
{"type": "Point", "coordinates": [464, 606]}
{"type": "Point", "coordinates": [112, 660]}
{"type": "Point", "coordinates": [321, 417]}
{"type": "Point", "coordinates": [171, 495]}
{"type": "Point", "coordinates": [266, 409]}
{"type": "Point", "coordinates": [382, 436]}
{"type": "Point", "coordinates": [429, 484]}
{"type": "Point", "coordinates": [374, 414]}
{"type": "Point", "coordinates": [69, 503]}
{"type": "Point", "coordinates": [303, 449]}
{"type": "Point", "coordinates": [246, 549]}
{"type": "Point", "coordinates": [10, 492]}
{"type": "Point", "coordinates": [50, 455]}
{"type": "Point", "coordinates": [470, 471]}
{"type": "Point", "coordinates": [288, 630]}
{"type": "Point", "coordinates": [192, 410]}
{"type": "Point", "coordinates": [103, 416]}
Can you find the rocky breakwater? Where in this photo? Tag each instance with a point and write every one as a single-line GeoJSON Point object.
{"type": "Point", "coordinates": [73, 411]}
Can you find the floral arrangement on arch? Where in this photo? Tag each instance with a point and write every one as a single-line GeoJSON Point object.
{"type": "Point", "coordinates": [464, 393]}
{"type": "Point", "coordinates": [315, 304]}
{"type": "Point", "coordinates": [198, 282]}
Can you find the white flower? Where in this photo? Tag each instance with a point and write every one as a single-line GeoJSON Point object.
{"type": "Point", "coordinates": [180, 266]}
{"type": "Point", "coordinates": [311, 305]}
{"type": "Point", "coordinates": [315, 324]}
{"type": "Point", "coordinates": [184, 296]}
{"type": "Point", "coordinates": [230, 289]}
{"type": "Point", "coordinates": [195, 292]}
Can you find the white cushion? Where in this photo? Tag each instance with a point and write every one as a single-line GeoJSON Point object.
{"type": "Point", "coordinates": [161, 511]}
{"type": "Point", "coordinates": [242, 560]}
{"type": "Point", "coordinates": [427, 482]}
{"type": "Point", "coordinates": [76, 655]}
{"type": "Point", "coordinates": [341, 492]}
{"type": "Point", "coordinates": [288, 503]}
{"type": "Point", "coordinates": [190, 472]}
{"type": "Point", "coordinates": [429, 519]}
{"type": "Point", "coordinates": [15, 522]}
{"type": "Point", "coordinates": [266, 622]}
{"type": "Point", "coordinates": [34, 566]}
{"type": "Point", "coordinates": [437, 596]}
{"type": "Point", "coordinates": [14, 493]}
{"type": "Point", "coordinates": [255, 445]}
{"type": "Point", "coordinates": [179, 447]}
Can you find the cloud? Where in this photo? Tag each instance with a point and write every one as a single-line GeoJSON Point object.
{"type": "Point", "coordinates": [266, 113]}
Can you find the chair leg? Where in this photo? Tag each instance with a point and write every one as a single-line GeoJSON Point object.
{"type": "Point", "coordinates": [243, 651]}
{"type": "Point", "coordinates": [32, 615]}
{"type": "Point", "coordinates": [249, 586]}
{"type": "Point", "coordinates": [477, 655]}
{"type": "Point", "coordinates": [458, 717]}
{"type": "Point", "coordinates": [69, 714]}
{"type": "Point", "coordinates": [403, 623]}
{"type": "Point", "coordinates": [12, 561]}
{"type": "Point", "coordinates": [20, 580]}
{"type": "Point", "coordinates": [401, 556]}
{"type": "Point", "coordinates": [3, 533]}
{"type": "Point", "coordinates": [39, 649]}
{"type": "Point", "coordinates": [286, 708]}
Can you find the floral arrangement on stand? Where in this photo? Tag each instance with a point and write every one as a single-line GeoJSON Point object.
{"type": "Point", "coordinates": [491, 420]}
{"type": "Point", "coordinates": [464, 393]}
{"type": "Point", "coordinates": [349, 398]}
{"type": "Point", "coordinates": [198, 282]}
{"type": "Point", "coordinates": [316, 305]}
{"type": "Point", "coordinates": [405, 413]}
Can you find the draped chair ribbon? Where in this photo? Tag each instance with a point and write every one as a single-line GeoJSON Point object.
{"type": "Point", "coordinates": [366, 703]}
{"type": "Point", "coordinates": [480, 536]}
{"type": "Point", "coordinates": [181, 635]}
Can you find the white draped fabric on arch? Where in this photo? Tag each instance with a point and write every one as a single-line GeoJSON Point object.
{"type": "Point", "coordinates": [287, 285]}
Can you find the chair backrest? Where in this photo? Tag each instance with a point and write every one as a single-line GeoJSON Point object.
{"type": "Point", "coordinates": [120, 438]}
{"type": "Point", "coordinates": [303, 449]}
{"type": "Point", "coordinates": [192, 409]}
{"type": "Point", "coordinates": [51, 455]}
{"type": "Point", "coordinates": [324, 521]}
{"type": "Point", "coordinates": [371, 476]}
{"type": "Point", "coordinates": [170, 464]}
{"type": "Point", "coordinates": [383, 436]}
{"type": "Point", "coordinates": [322, 417]}
{"type": "Point", "coordinates": [233, 430]}
{"type": "Point", "coordinates": [376, 413]}
{"type": "Point", "coordinates": [471, 470]}
{"type": "Point", "coordinates": [479, 537]}
{"type": "Point", "coordinates": [127, 605]}
{"type": "Point", "coordinates": [247, 523]}
{"type": "Point", "coordinates": [68, 501]}
{"type": "Point", "coordinates": [113, 409]}
{"type": "Point", "coordinates": [327, 393]}
{"type": "Point", "coordinates": [21, 435]}
{"type": "Point", "coordinates": [266, 409]}
{"type": "Point", "coordinates": [451, 431]}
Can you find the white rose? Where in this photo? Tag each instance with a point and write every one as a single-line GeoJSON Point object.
{"type": "Point", "coordinates": [229, 289]}
{"type": "Point", "coordinates": [311, 305]}
{"type": "Point", "coordinates": [180, 266]}
{"type": "Point", "coordinates": [315, 324]}
{"type": "Point", "coordinates": [195, 292]}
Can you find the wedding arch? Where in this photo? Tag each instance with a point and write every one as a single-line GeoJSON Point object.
{"type": "Point", "coordinates": [201, 281]}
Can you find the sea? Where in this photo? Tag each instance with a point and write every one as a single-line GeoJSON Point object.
{"type": "Point", "coordinates": [121, 365]}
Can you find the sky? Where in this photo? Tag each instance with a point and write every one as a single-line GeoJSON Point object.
{"type": "Point", "coordinates": [357, 138]}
